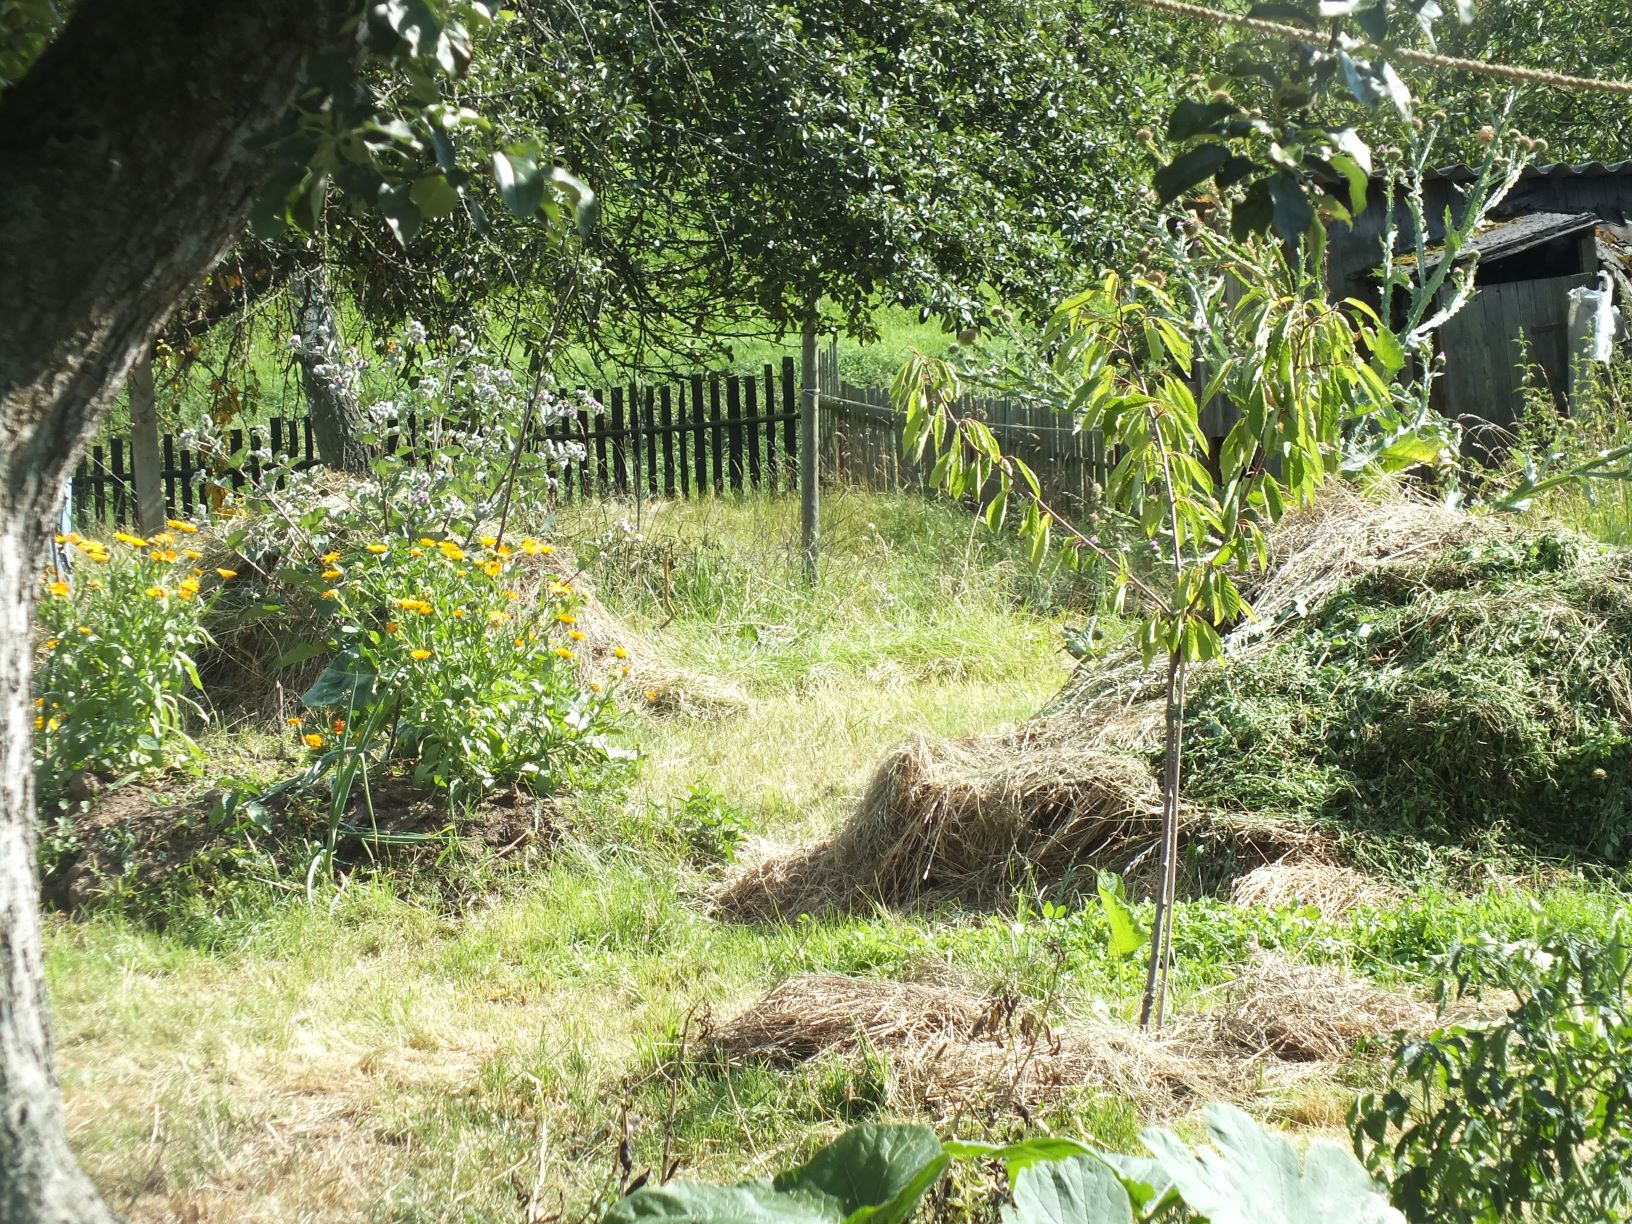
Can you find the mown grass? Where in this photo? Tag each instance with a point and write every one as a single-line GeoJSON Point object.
{"type": "Point", "coordinates": [396, 1051]}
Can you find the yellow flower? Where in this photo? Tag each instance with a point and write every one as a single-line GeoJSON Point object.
{"type": "Point", "coordinates": [489, 541]}
{"type": "Point", "coordinates": [623, 671]}
{"type": "Point", "coordinates": [51, 645]}
{"type": "Point", "coordinates": [545, 550]}
{"type": "Point", "coordinates": [493, 568]}
{"type": "Point", "coordinates": [427, 542]}
{"type": "Point", "coordinates": [504, 550]}
{"type": "Point", "coordinates": [39, 722]}
{"type": "Point", "coordinates": [164, 555]}
{"type": "Point", "coordinates": [226, 573]}
{"type": "Point", "coordinates": [458, 614]}
{"type": "Point", "coordinates": [85, 631]}
{"type": "Point", "coordinates": [576, 635]}
{"type": "Point", "coordinates": [178, 525]}
{"type": "Point", "coordinates": [52, 724]}
{"type": "Point", "coordinates": [595, 686]}
{"type": "Point", "coordinates": [511, 595]}
{"type": "Point", "coordinates": [293, 720]}
{"type": "Point", "coordinates": [529, 546]}
{"type": "Point", "coordinates": [331, 593]}
{"type": "Point", "coordinates": [156, 592]}
{"type": "Point", "coordinates": [566, 618]}
{"type": "Point", "coordinates": [651, 694]}
{"type": "Point", "coordinates": [451, 551]}
{"type": "Point", "coordinates": [565, 653]}
{"type": "Point", "coordinates": [496, 618]}
{"type": "Point", "coordinates": [377, 549]}
{"type": "Point", "coordinates": [519, 644]}
{"type": "Point", "coordinates": [164, 537]}
{"type": "Point", "coordinates": [59, 589]}
{"type": "Point", "coordinates": [192, 554]}
{"type": "Point", "coordinates": [313, 739]}
{"type": "Point", "coordinates": [619, 652]}
{"type": "Point", "coordinates": [39, 703]}
{"type": "Point", "coordinates": [420, 655]}
{"type": "Point", "coordinates": [560, 588]}
{"type": "Point", "coordinates": [333, 572]}
{"type": "Point", "coordinates": [329, 558]}
{"type": "Point", "coordinates": [416, 552]}
{"type": "Point", "coordinates": [133, 540]}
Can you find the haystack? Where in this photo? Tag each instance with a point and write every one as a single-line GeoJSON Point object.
{"type": "Point", "coordinates": [1411, 673]}
{"type": "Point", "coordinates": [950, 1050]}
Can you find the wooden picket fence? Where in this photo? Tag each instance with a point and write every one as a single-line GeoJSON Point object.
{"type": "Point", "coordinates": [697, 435]}
{"type": "Point", "coordinates": [862, 436]}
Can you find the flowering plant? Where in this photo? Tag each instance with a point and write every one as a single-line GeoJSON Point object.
{"type": "Point", "coordinates": [115, 679]}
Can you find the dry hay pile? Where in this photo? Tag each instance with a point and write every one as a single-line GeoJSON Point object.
{"type": "Point", "coordinates": [1287, 753]}
{"type": "Point", "coordinates": [1310, 1013]}
{"type": "Point", "coordinates": [950, 1050]}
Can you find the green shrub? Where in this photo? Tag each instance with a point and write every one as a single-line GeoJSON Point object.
{"type": "Point", "coordinates": [115, 681]}
{"type": "Point", "coordinates": [439, 659]}
{"type": "Point", "coordinates": [1529, 1117]}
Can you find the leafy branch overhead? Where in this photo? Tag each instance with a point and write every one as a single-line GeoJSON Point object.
{"type": "Point", "coordinates": [1265, 132]}
{"type": "Point", "coordinates": [400, 141]}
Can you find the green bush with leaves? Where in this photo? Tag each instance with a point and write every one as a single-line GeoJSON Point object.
{"type": "Point", "coordinates": [115, 686]}
{"type": "Point", "coordinates": [879, 1173]}
{"type": "Point", "coordinates": [1528, 1117]}
{"type": "Point", "coordinates": [441, 660]}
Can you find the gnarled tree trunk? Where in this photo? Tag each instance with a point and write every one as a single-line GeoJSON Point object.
{"type": "Point", "coordinates": [128, 163]}
{"type": "Point", "coordinates": [331, 395]}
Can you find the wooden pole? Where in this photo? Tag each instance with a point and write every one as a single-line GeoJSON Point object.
{"type": "Point", "coordinates": [809, 447]}
{"type": "Point", "coordinates": [146, 472]}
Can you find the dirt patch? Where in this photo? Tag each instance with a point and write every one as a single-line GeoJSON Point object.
{"type": "Point", "coordinates": [147, 840]}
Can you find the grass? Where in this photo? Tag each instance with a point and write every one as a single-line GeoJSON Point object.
{"type": "Point", "coordinates": [396, 1051]}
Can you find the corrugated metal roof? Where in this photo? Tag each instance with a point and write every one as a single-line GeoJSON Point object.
{"type": "Point", "coordinates": [1553, 170]}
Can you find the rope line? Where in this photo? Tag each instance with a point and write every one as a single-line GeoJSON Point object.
{"type": "Point", "coordinates": [1429, 59]}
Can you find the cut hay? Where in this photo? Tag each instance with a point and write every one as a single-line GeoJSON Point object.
{"type": "Point", "coordinates": [1296, 881]}
{"type": "Point", "coordinates": [1310, 1013]}
{"type": "Point", "coordinates": [1412, 674]}
{"type": "Point", "coordinates": [952, 1050]}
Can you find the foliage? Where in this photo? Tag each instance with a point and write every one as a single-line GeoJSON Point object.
{"type": "Point", "coordinates": [1472, 698]}
{"type": "Point", "coordinates": [707, 824]}
{"type": "Point", "coordinates": [115, 680]}
{"type": "Point", "coordinates": [1578, 467]}
{"type": "Point", "coordinates": [438, 659]}
{"type": "Point", "coordinates": [878, 1173]}
{"type": "Point", "coordinates": [1529, 1116]}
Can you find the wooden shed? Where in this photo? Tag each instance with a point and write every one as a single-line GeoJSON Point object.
{"type": "Point", "coordinates": [1563, 227]}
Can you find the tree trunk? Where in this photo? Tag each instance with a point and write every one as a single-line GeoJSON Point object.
{"type": "Point", "coordinates": [129, 157]}
{"type": "Point", "coordinates": [331, 393]}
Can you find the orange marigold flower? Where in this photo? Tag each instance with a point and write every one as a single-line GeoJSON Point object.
{"type": "Point", "coordinates": [313, 739]}
{"type": "Point", "coordinates": [339, 726]}
{"type": "Point", "coordinates": [390, 626]}
{"type": "Point", "coordinates": [331, 593]}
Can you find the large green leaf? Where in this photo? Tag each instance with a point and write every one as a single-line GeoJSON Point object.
{"type": "Point", "coordinates": [1127, 936]}
{"type": "Point", "coordinates": [1077, 1190]}
{"type": "Point", "coordinates": [1254, 1177]}
{"type": "Point", "coordinates": [872, 1174]}
{"type": "Point", "coordinates": [875, 1173]}
{"type": "Point", "coordinates": [347, 683]}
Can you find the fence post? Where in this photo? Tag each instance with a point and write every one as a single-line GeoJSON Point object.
{"type": "Point", "coordinates": [809, 446]}
{"type": "Point", "coordinates": [144, 446]}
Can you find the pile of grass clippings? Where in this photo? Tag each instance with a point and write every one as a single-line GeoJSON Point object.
{"type": "Point", "coordinates": [1413, 675]}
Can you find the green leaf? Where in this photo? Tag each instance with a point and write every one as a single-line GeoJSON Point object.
{"type": "Point", "coordinates": [348, 682]}
{"type": "Point", "coordinates": [696, 1203]}
{"type": "Point", "coordinates": [1293, 214]}
{"type": "Point", "coordinates": [434, 196]}
{"type": "Point", "coordinates": [1077, 1190]}
{"type": "Point", "coordinates": [1127, 936]}
{"type": "Point", "coordinates": [1016, 1157]}
{"type": "Point", "coordinates": [1192, 118]}
{"type": "Point", "coordinates": [874, 1173]}
{"type": "Point", "coordinates": [516, 172]}
{"type": "Point", "coordinates": [1254, 1177]}
{"type": "Point", "coordinates": [1188, 169]}
{"type": "Point", "coordinates": [1386, 347]}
